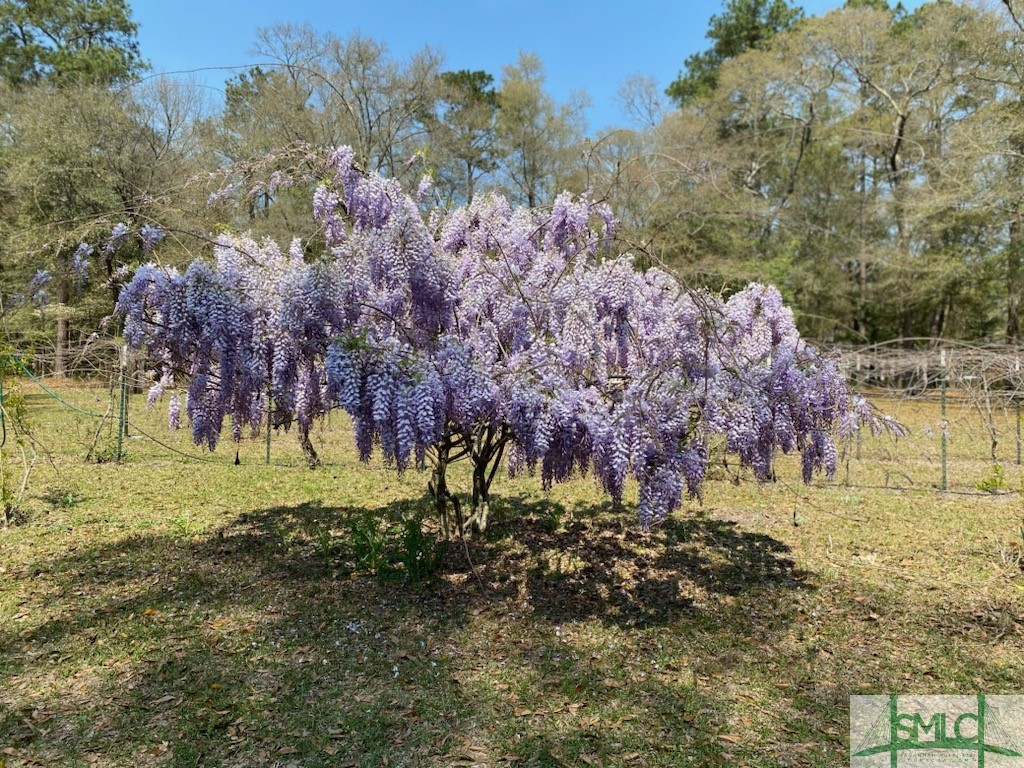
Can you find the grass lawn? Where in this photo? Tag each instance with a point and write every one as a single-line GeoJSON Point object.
{"type": "Point", "coordinates": [169, 611]}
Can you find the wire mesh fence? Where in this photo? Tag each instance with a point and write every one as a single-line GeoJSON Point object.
{"type": "Point", "coordinates": [960, 403]}
{"type": "Point", "coordinates": [102, 412]}
{"type": "Point", "coordinates": [962, 406]}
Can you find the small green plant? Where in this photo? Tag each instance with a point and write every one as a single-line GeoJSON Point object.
{"type": "Point", "coordinates": [183, 527]}
{"type": "Point", "coordinates": [284, 534]}
{"type": "Point", "coordinates": [368, 537]}
{"type": "Point", "coordinates": [550, 516]}
{"type": "Point", "coordinates": [105, 454]}
{"type": "Point", "coordinates": [419, 553]}
{"type": "Point", "coordinates": [996, 481]}
{"type": "Point", "coordinates": [392, 544]}
{"type": "Point", "coordinates": [63, 497]}
{"type": "Point", "coordinates": [323, 537]}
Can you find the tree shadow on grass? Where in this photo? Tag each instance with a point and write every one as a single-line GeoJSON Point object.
{"type": "Point", "coordinates": [590, 562]}
{"type": "Point", "coordinates": [595, 564]}
{"type": "Point", "coordinates": [243, 645]}
{"type": "Point", "coordinates": [265, 641]}
{"type": "Point", "coordinates": [269, 641]}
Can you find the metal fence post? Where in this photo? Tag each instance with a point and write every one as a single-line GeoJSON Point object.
{"type": "Point", "coordinates": [860, 391]}
{"type": "Point", "coordinates": [942, 379]}
{"type": "Point", "coordinates": [1016, 402]}
{"type": "Point", "coordinates": [122, 411]}
{"type": "Point", "coordinates": [270, 418]}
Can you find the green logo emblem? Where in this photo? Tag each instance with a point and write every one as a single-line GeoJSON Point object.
{"type": "Point", "coordinates": [957, 725]}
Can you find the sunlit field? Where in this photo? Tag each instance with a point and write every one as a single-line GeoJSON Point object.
{"type": "Point", "coordinates": [172, 611]}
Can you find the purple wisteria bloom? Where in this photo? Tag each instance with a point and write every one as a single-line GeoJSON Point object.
{"type": "Point", "coordinates": [491, 332]}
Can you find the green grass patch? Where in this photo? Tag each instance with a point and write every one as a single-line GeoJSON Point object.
{"type": "Point", "coordinates": [170, 611]}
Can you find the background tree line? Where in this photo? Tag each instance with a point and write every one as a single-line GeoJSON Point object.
{"type": "Point", "coordinates": [869, 162]}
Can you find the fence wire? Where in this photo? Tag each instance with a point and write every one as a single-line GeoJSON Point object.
{"type": "Point", "coordinates": [961, 404]}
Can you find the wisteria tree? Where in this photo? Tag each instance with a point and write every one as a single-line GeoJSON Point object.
{"type": "Point", "coordinates": [501, 336]}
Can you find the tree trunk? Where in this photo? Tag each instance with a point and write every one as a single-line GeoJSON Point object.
{"type": "Point", "coordinates": [862, 309]}
{"type": "Point", "coordinates": [485, 466]}
{"type": "Point", "coordinates": [63, 340]}
{"type": "Point", "coordinates": [1014, 286]}
{"type": "Point", "coordinates": [438, 486]}
{"type": "Point", "coordinates": [907, 328]}
{"type": "Point", "coordinates": [861, 315]}
{"type": "Point", "coordinates": [481, 498]}
{"type": "Point", "coordinates": [939, 318]}
{"type": "Point", "coordinates": [307, 447]}
{"type": "Point", "coordinates": [897, 183]}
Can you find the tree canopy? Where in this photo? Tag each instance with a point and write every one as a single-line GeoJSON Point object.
{"type": "Point", "coordinates": [90, 41]}
{"type": "Point", "coordinates": [867, 162]}
{"type": "Point", "coordinates": [485, 331]}
{"type": "Point", "coordinates": [744, 25]}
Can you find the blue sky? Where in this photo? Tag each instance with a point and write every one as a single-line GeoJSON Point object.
{"type": "Point", "coordinates": [594, 46]}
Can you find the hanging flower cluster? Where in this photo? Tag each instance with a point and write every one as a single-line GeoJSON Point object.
{"type": "Point", "coordinates": [489, 332]}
